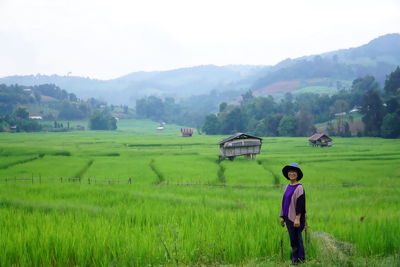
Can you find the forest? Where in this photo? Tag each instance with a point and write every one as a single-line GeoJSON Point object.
{"type": "Point", "coordinates": [51, 104]}
{"type": "Point", "coordinates": [294, 115]}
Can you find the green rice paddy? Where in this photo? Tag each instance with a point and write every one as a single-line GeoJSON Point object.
{"type": "Point", "coordinates": [184, 208]}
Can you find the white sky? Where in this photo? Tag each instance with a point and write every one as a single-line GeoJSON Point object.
{"type": "Point", "coordinates": [108, 39]}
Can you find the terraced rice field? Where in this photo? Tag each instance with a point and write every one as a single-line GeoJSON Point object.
{"type": "Point", "coordinates": [184, 208]}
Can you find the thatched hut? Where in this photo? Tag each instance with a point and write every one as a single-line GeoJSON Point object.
{"type": "Point", "coordinates": [320, 139]}
{"type": "Point", "coordinates": [186, 132]}
{"type": "Point", "coordinates": [240, 144]}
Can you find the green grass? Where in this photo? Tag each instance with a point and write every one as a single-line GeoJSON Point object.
{"type": "Point", "coordinates": [325, 86]}
{"type": "Point", "coordinates": [356, 118]}
{"type": "Point", "coordinates": [316, 89]}
{"type": "Point", "coordinates": [177, 210]}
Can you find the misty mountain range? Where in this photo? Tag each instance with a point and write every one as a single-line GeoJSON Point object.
{"type": "Point", "coordinates": [325, 72]}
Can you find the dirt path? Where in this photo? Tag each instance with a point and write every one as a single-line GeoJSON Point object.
{"type": "Point", "coordinates": [331, 248]}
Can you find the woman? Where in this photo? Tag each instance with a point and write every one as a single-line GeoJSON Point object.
{"type": "Point", "coordinates": [293, 211]}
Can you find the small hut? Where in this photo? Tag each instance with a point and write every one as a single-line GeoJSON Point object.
{"type": "Point", "coordinates": [161, 127]}
{"type": "Point", "coordinates": [320, 139]}
{"type": "Point", "coordinates": [187, 132]}
{"type": "Point", "coordinates": [240, 144]}
{"type": "Point", "coordinates": [80, 127]}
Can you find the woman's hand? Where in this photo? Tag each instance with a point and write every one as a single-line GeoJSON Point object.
{"type": "Point", "coordinates": [296, 222]}
{"type": "Point", "coordinates": [282, 222]}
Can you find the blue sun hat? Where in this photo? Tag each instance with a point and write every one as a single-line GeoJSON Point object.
{"type": "Point", "coordinates": [292, 166]}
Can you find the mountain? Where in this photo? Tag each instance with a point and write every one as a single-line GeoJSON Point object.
{"type": "Point", "coordinates": [331, 71]}
{"type": "Point", "coordinates": [176, 83]}
{"type": "Point", "coordinates": [323, 73]}
{"type": "Point", "coordinates": [382, 49]}
{"type": "Point", "coordinates": [188, 81]}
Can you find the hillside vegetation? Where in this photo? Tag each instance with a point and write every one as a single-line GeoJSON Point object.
{"type": "Point", "coordinates": [297, 115]}
{"type": "Point", "coordinates": [23, 107]}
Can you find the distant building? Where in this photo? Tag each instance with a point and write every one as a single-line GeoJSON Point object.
{"type": "Point", "coordinates": [161, 127]}
{"type": "Point", "coordinates": [320, 139]}
{"type": "Point", "coordinates": [240, 144]}
{"type": "Point", "coordinates": [186, 132]}
{"type": "Point", "coordinates": [355, 109]}
{"type": "Point", "coordinates": [35, 117]}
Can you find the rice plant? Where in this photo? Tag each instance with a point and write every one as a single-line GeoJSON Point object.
{"type": "Point", "coordinates": [184, 208]}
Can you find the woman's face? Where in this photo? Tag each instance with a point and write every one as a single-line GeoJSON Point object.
{"type": "Point", "coordinates": [292, 174]}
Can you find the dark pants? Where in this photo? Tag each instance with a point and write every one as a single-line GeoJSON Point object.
{"type": "Point", "coordinates": [296, 241]}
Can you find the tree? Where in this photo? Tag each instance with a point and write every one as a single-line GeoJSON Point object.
{"type": "Point", "coordinates": [264, 106]}
{"type": "Point", "coordinates": [3, 125]}
{"type": "Point", "coordinates": [38, 96]}
{"type": "Point", "coordinates": [392, 82]}
{"type": "Point", "coordinates": [222, 106]}
{"type": "Point", "coordinates": [28, 126]}
{"type": "Point", "coordinates": [340, 106]}
{"type": "Point", "coordinates": [260, 128]}
{"type": "Point", "coordinates": [22, 113]}
{"type": "Point", "coordinates": [339, 109]}
{"type": "Point", "coordinates": [365, 84]}
{"type": "Point", "coordinates": [102, 121]}
{"type": "Point", "coordinates": [72, 97]}
{"type": "Point", "coordinates": [288, 97]}
{"type": "Point", "coordinates": [360, 87]}
{"type": "Point", "coordinates": [347, 132]}
{"type": "Point", "coordinates": [373, 110]}
{"type": "Point", "coordinates": [330, 129]}
{"type": "Point", "coordinates": [151, 107]}
{"type": "Point", "coordinates": [211, 124]}
{"type": "Point", "coordinates": [393, 105]}
{"type": "Point", "coordinates": [272, 124]}
{"type": "Point", "coordinates": [287, 126]}
{"type": "Point", "coordinates": [84, 108]}
{"type": "Point", "coordinates": [233, 122]}
{"type": "Point", "coordinates": [287, 106]}
{"type": "Point", "coordinates": [391, 126]}
{"type": "Point", "coordinates": [305, 124]}
{"type": "Point", "coordinates": [171, 110]}
{"type": "Point", "coordinates": [70, 111]}
{"type": "Point", "coordinates": [391, 123]}
{"type": "Point", "coordinates": [247, 96]}
{"type": "Point", "coordinates": [268, 126]}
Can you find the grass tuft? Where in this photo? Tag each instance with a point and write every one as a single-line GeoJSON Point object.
{"type": "Point", "coordinates": [82, 172]}
{"type": "Point", "coordinates": [158, 173]}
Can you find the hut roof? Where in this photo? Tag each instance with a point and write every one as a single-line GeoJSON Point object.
{"type": "Point", "coordinates": [238, 136]}
{"type": "Point", "coordinates": [187, 130]}
{"type": "Point", "coordinates": [317, 136]}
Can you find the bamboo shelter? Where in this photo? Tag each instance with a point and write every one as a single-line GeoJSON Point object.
{"type": "Point", "coordinates": [240, 144]}
{"type": "Point", "coordinates": [320, 139]}
{"type": "Point", "coordinates": [186, 132]}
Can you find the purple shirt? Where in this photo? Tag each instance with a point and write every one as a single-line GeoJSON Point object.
{"type": "Point", "coordinates": [287, 197]}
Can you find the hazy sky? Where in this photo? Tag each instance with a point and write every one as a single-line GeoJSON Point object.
{"type": "Point", "coordinates": [108, 39]}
